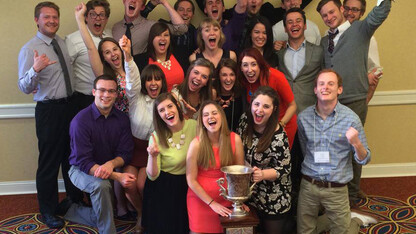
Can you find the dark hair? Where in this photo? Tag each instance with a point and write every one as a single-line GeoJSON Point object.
{"type": "Point", "coordinates": [291, 10]}
{"type": "Point", "coordinates": [208, 21]}
{"type": "Point", "coordinates": [95, 3]}
{"type": "Point", "coordinates": [263, 66]}
{"type": "Point", "coordinates": [328, 70]}
{"type": "Point", "coordinates": [231, 64]}
{"type": "Point", "coordinates": [156, 30]}
{"type": "Point", "coordinates": [266, 138]}
{"type": "Point", "coordinates": [162, 130]}
{"type": "Point", "coordinates": [363, 5]}
{"type": "Point", "coordinates": [107, 69]}
{"type": "Point", "coordinates": [324, 2]}
{"type": "Point", "coordinates": [204, 3]}
{"type": "Point", "coordinates": [45, 4]}
{"type": "Point", "coordinates": [150, 72]}
{"type": "Point", "coordinates": [176, 6]}
{"type": "Point", "coordinates": [104, 77]}
{"type": "Point", "coordinates": [206, 92]}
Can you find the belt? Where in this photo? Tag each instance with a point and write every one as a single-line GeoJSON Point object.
{"type": "Point", "coordinates": [323, 184]}
{"type": "Point", "coordinates": [57, 101]}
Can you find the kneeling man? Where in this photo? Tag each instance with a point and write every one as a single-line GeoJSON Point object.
{"type": "Point", "coordinates": [101, 141]}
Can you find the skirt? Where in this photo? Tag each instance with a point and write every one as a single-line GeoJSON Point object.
{"type": "Point", "coordinates": [140, 154]}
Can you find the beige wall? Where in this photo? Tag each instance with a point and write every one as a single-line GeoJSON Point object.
{"type": "Point", "coordinates": [390, 129]}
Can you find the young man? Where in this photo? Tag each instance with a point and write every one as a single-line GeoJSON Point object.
{"type": "Point", "coordinates": [346, 51]}
{"type": "Point", "coordinates": [96, 17]}
{"type": "Point", "coordinates": [101, 141]}
{"type": "Point", "coordinates": [328, 131]}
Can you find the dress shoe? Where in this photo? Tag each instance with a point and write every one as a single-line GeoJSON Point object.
{"type": "Point", "coordinates": [52, 221]}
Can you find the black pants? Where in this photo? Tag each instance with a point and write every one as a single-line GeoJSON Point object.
{"type": "Point", "coordinates": [81, 101]}
{"type": "Point", "coordinates": [52, 131]}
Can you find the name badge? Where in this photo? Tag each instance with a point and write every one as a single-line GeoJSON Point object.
{"type": "Point", "coordinates": [321, 156]}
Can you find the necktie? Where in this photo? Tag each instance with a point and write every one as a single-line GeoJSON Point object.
{"type": "Point", "coordinates": [331, 37]}
{"type": "Point", "coordinates": [61, 58]}
{"type": "Point", "coordinates": [128, 35]}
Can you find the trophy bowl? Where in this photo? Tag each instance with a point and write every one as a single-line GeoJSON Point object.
{"type": "Point", "coordinates": [238, 187]}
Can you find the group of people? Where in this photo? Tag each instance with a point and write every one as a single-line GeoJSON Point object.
{"type": "Point", "coordinates": [152, 110]}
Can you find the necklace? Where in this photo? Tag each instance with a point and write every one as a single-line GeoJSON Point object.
{"type": "Point", "coordinates": [226, 103]}
{"type": "Point", "coordinates": [167, 64]}
{"type": "Point", "coordinates": [181, 142]}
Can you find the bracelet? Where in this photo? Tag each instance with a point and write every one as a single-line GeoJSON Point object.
{"type": "Point", "coordinates": [210, 202]}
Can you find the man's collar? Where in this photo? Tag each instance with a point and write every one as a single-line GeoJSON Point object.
{"type": "Point", "coordinates": [342, 28]}
{"type": "Point", "coordinates": [96, 113]}
{"type": "Point", "coordinates": [300, 47]}
{"type": "Point", "coordinates": [136, 21]}
{"type": "Point", "coordinates": [335, 110]}
{"type": "Point", "coordinates": [45, 38]}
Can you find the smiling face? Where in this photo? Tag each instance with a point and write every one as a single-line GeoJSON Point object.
{"type": "Point", "coordinates": [353, 10]}
{"type": "Point", "coordinates": [185, 11]}
{"type": "Point", "coordinates": [250, 69]}
{"type": "Point", "coordinates": [112, 55]}
{"type": "Point", "coordinates": [153, 87]}
{"type": "Point", "coordinates": [96, 20]}
{"type": "Point", "coordinates": [288, 4]}
{"type": "Point", "coordinates": [327, 88]}
{"type": "Point", "coordinates": [105, 94]}
{"type": "Point", "coordinates": [132, 9]}
{"type": "Point", "coordinates": [161, 43]}
{"type": "Point", "coordinates": [261, 109]}
{"type": "Point", "coordinates": [214, 9]}
{"type": "Point", "coordinates": [259, 36]}
{"type": "Point", "coordinates": [295, 26]}
{"type": "Point", "coordinates": [211, 36]}
{"type": "Point", "coordinates": [253, 7]}
{"type": "Point", "coordinates": [48, 21]}
{"type": "Point", "coordinates": [211, 118]}
{"type": "Point", "coordinates": [169, 113]}
{"type": "Point", "coordinates": [227, 79]}
{"type": "Point", "coordinates": [332, 15]}
{"type": "Point", "coordinates": [198, 78]}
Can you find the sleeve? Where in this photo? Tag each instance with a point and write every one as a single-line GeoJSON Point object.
{"type": "Point", "coordinates": [373, 55]}
{"type": "Point", "coordinates": [81, 145]}
{"type": "Point", "coordinates": [301, 135]}
{"type": "Point", "coordinates": [28, 78]}
{"type": "Point", "coordinates": [72, 49]}
{"type": "Point", "coordinates": [133, 82]}
{"type": "Point", "coordinates": [377, 16]}
{"type": "Point", "coordinates": [359, 127]}
{"type": "Point", "coordinates": [158, 158]}
{"type": "Point", "coordinates": [126, 145]}
{"type": "Point", "coordinates": [178, 29]}
{"type": "Point", "coordinates": [233, 31]}
{"type": "Point", "coordinates": [279, 83]}
{"type": "Point", "coordinates": [146, 11]}
{"type": "Point", "coordinates": [280, 158]}
{"type": "Point", "coordinates": [305, 3]}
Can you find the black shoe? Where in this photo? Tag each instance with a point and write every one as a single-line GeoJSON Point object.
{"type": "Point", "coordinates": [52, 221]}
{"type": "Point", "coordinates": [63, 206]}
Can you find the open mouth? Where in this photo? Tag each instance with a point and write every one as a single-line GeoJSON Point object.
{"type": "Point", "coordinates": [212, 122]}
{"type": "Point", "coordinates": [251, 77]}
{"type": "Point", "coordinates": [132, 7]}
{"type": "Point", "coordinates": [212, 41]}
{"type": "Point", "coordinates": [162, 45]}
{"type": "Point", "coordinates": [258, 117]}
{"type": "Point", "coordinates": [170, 117]}
{"type": "Point", "coordinates": [153, 91]}
{"type": "Point", "coordinates": [97, 26]}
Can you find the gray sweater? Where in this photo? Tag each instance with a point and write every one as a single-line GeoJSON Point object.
{"type": "Point", "coordinates": [350, 55]}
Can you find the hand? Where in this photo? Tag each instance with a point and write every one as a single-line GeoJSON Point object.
{"type": "Point", "coordinates": [352, 136]}
{"type": "Point", "coordinates": [257, 174]}
{"type": "Point", "coordinates": [153, 149]}
{"type": "Point", "coordinates": [35, 91]}
{"type": "Point", "coordinates": [127, 180]}
{"type": "Point", "coordinates": [157, 2]}
{"type": "Point", "coordinates": [373, 77]}
{"type": "Point", "coordinates": [80, 10]}
{"type": "Point", "coordinates": [190, 110]}
{"type": "Point", "coordinates": [278, 45]}
{"type": "Point", "coordinates": [125, 45]}
{"type": "Point", "coordinates": [220, 209]}
{"type": "Point", "coordinates": [246, 208]}
{"type": "Point", "coordinates": [104, 171]}
{"type": "Point", "coordinates": [40, 62]}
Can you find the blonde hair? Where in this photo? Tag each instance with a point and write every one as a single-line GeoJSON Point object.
{"type": "Point", "coordinates": [208, 22]}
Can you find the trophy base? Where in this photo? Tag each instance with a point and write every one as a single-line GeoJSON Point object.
{"type": "Point", "coordinates": [238, 210]}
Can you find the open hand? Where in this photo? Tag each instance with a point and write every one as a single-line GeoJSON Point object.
{"type": "Point", "coordinates": [40, 62]}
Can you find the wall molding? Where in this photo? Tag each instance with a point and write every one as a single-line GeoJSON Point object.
{"type": "Point", "coordinates": [381, 98]}
{"type": "Point", "coordinates": [369, 171]}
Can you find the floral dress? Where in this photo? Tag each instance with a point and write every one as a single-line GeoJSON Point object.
{"type": "Point", "coordinates": [122, 103]}
{"type": "Point", "coordinates": [270, 198]}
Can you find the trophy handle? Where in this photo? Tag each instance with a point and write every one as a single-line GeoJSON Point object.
{"type": "Point", "coordinates": [252, 187]}
{"type": "Point", "coordinates": [223, 191]}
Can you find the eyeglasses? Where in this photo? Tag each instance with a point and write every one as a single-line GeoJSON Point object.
{"type": "Point", "coordinates": [95, 15]}
{"type": "Point", "coordinates": [109, 91]}
{"type": "Point", "coordinates": [353, 9]}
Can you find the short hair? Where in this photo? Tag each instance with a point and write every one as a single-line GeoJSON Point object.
{"type": "Point", "coordinates": [231, 64]}
{"type": "Point", "coordinates": [107, 69]}
{"type": "Point", "coordinates": [95, 3]}
{"type": "Point", "coordinates": [45, 4]}
{"type": "Point", "coordinates": [324, 2]}
{"type": "Point", "coordinates": [204, 2]}
{"type": "Point", "coordinates": [176, 6]}
{"type": "Point", "coordinates": [152, 71]}
{"type": "Point", "coordinates": [104, 77]}
{"type": "Point", "coordinates": [328, 70]}
{"type": "Point", "coordinates": [291, 10]}
{"type": "Point", "coordinates": [261, 62]}
{"type": "Point", "coordinates": [156, 30]}
{"type": "Point", "coordinates": [363, 5]}
{"type": "Point", "coordinates": [208, 22]}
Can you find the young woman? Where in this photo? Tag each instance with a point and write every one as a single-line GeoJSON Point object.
{"type": "Point", "coordinates": [159, 52]}
{"type": "Point", "coordinates": [214, 147]}
{"type": "Point", "coordinates": [259, 35]}
{"type": "Point", "coordinates": [196, 88]}
{"type": "Point", "coordinates": [230, 93]}
{"type": "Point", "coordinates": [141, 93]}
{"type": "Point", "coordinates": [164, 202]}
{"type": "Point", "coordinates": [255, 72]}
{"type": "Point", "coordinates": [210, 39]}
{"type": "Point", "coordinates": [266, 149]}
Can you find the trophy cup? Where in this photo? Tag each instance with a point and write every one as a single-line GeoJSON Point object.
{"type": "Point", "coordinates": [239, 189]}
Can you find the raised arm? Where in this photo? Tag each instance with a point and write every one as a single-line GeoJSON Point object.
{"type": "Point", "coordinates": [133, 82]}
{"type": "Point", "coordinates": [96, 64]}
{"type": "Point", "coordinates": [153, 162]}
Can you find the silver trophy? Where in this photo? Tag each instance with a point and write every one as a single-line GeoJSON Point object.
{"type": "Point", "coordinates": [239, 189]}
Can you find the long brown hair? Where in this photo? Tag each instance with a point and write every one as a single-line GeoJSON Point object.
{"type": "Point", "coordinates": [162, 130]}
{"type": "Point", "coordinates": [231, 64]}
{"type": "Point", "coordinates": [266, 138]}
{"type": "Point", "coordinates": [206, 158]}
{"type": "Point", "coordinates": [263, 66]}
{"type": "Point", "coordinates": [107, 69]}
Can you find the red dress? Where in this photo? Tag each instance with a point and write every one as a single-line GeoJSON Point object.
{"type": "Point", "coordinates": [278, 82]}
{"type": "Point", "coordinates": [174, 74]}
{"type": "Point", "coordinates": [201, 217]}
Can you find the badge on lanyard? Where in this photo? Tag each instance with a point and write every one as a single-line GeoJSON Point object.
{"type": "Point", "coordinates": [321, 156]}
